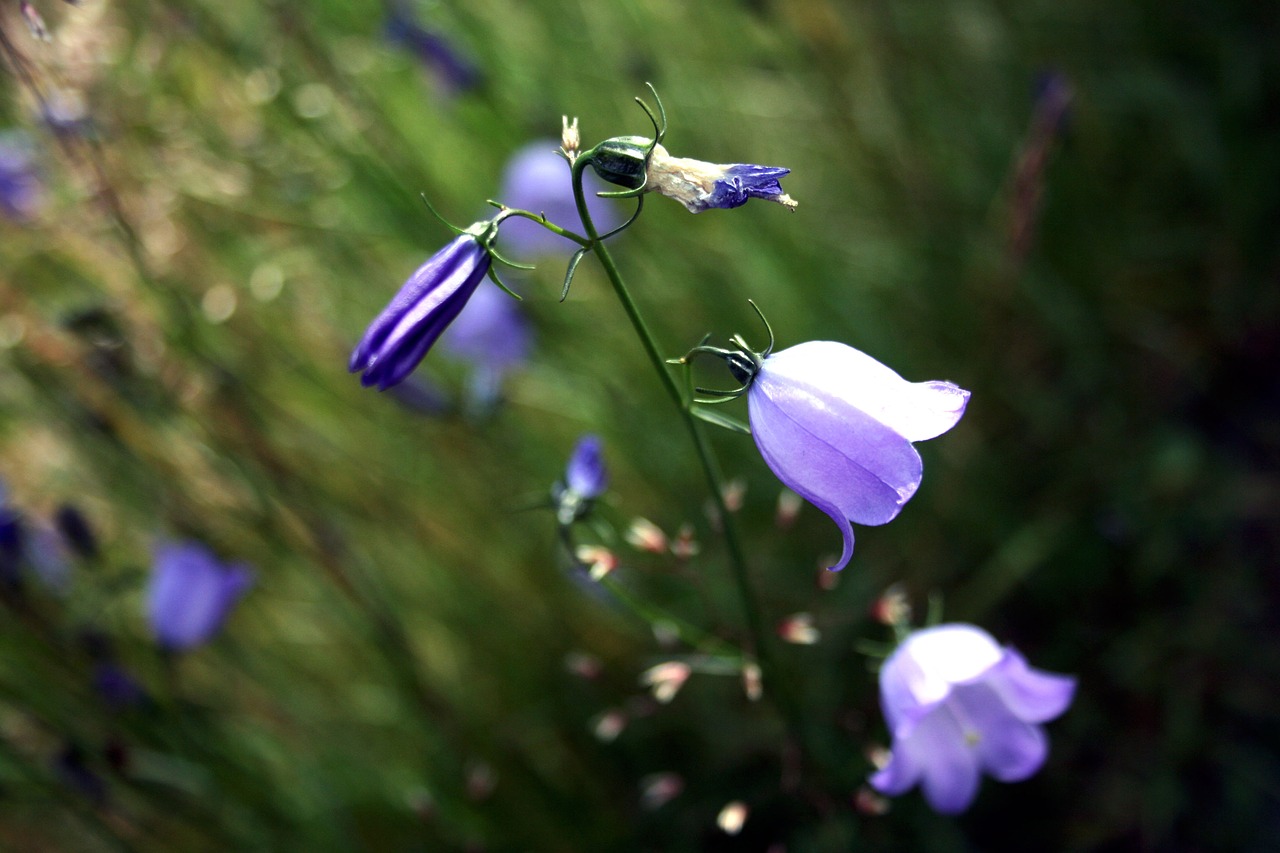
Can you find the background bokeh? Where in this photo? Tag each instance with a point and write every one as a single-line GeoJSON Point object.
{"type": "Point", "coordinates": [230, 193]}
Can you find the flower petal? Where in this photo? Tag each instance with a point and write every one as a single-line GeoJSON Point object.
{"type": "Point", "coordinates": [915, 410]}
{"type": "Point", "coordinates": [1007, 748]}
{"type": "Point", "coordinates": [1031, 694]}
{"type": "Point", "coordinates": [922, 672]}
{"type": "Point", "coordinates": [949, 765]}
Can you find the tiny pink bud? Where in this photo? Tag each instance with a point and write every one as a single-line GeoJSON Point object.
{"type": "Point", "coordinates": [892, 607]}
{"type": "Point", "coordinates": [666, 679]}
{"type": "Point", "coordinates": [609, 725]}
{"type": "Point", "coordinates": [658, 789]}
{"type": "Point", "coordinates": [583, 665]}
{"type": "Point", "coordinates": [481, 780]}
{"type": "Point", "coordinates": [789, 504]}
{"type": "Point", "coordinates": [878, 756]}
{"type": "Point", "coordinates": [827, 578]}
{"type": "Point", "coordinates": [868, 802]}
{"type": "Point", "coordinates": [600, 561]}
{"type": "Point", "coordinates": [798, 628]}
{"type": "Point", "coordinates": [733, 493]}
{"type": "Point", "coordinates": [35, 22]}
{"type": "Point", "coordinates": [685, 546]}
{"type": "Point", "coordinates": [732, 817]}
{"type": "Point", "coordinates": [644, 535]}
{"type": "Point", "coordinates": [752, 681]}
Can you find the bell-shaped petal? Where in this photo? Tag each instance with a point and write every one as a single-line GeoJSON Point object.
{"type": "Point", "coordinates": [191, 594]}
{"type": "Point", "coordinates": [398, 339]}
{"type": "Point", "coordinates": [836, 427]}
{"type": "Point", "coordinates": [944, 693]}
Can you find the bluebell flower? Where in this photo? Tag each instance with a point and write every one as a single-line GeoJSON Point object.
{"type": "Point", "coordinates": [451, 68]}
{"type": "Point", "coordinates": [21, 192]}
{"type": "Point", "coordinates": [492, 336]}
{"type": "Point", "coordinates": [537, 179]}
{"type": "Point", "coordinates": [117, 688]}
{"type": "Point", "coordinates": [398, 339]}
{"type": "Point", "coordinates": [958, 705]}
{"type": "Point", "coordinates": [836, 427]}
{"type": "Point", "coordinates": [702, 186]}
{"type": "Point", "coordinates": [191, 594]}
{"type": "Point", "coordinates": [585, 479]}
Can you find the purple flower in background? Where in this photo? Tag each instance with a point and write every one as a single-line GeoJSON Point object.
{"type": "Point", "coordinates": [398, 339]}
{"type": "Point", "coordinates": [836, 427]}
{"type": "Point", "coordinates": [702, 186]}
{"type": "Point", "coordinates": [492, 335]}
{"type": "Point", "coordinates": [537, 179]}
{"type": "Point", "coordinates": [118, 689]}
{"type": "Point", "coordinates": [452, 69]}
{"type": "Point", "coordinates": [191, 594]}
{"type": "Point", "coordinates": [958, 705]}
{"type": "Point", "coordinates": [21, 193]}
{"type": "Point", "coordinates": [585, 479]}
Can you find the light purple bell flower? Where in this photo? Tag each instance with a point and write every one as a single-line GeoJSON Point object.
{"type": "Point", "coordinates": [538, 179]}
{"type": "Point", "coordinates": [455, 72]}
{"type": "Point", "coordinates": [958, 705]}
{"type": "Point", "coordinates": [398, 339]}
{"type": "Point", "coordinates": [492, 336]}
{"type": "Point", "coordinates": [836, 427]}
{"type": "Point", "coordinates": [191, 594]}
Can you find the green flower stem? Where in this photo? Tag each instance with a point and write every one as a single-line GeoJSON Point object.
{"type": "Point", "coordinates": [759, 640]}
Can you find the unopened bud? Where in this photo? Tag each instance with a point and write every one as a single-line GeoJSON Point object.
{"type": "Point", "coordinates": [644, 535]}
{"type": "Point", "coordinates": [734, 492]}
{"type": "Point", "coordinates": [685, 546]}
{"type": "Point", "coordinates": [799, 629]}
{"type": "Point", "coordinates": [666, 679]}
{"type": "Point", "coordinates": [789, 504]}
{"type": "Point", "coordinates": [892, 607]}
{"type": "Point", "coordinates": [658, 789]}
{"type": "Point", "coordinates": [732, 817]}
{"type": "Point", "coordinates": [570, 141]}
{"type": "Point", "coordinates": [752, 681]}
{"type": "Point", "coordinates": [868, 802]}
{"type": "Point", "coordinates": [599, 561]}
{"type": "Point", "coordinates": [609, 725]}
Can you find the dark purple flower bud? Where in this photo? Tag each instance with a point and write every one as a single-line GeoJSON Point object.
{"type": "Point", "coordinates": [13, 537]}
{"type": "Point", "coordinates": [398, 339]}
{"type": "Point", "coordinates": [21, 193]}
{"type": "Point", "coordinates": [836, 427]}
{"type": "Point", "coordinates": [586, 475]}
{"type": "Point", "coordinates": [452, 69]}
{"type": "Point", "coordinates": [702, 186]}
{"type": "Point", "coordinates": [118, 689]}
{"type": "Point", "coordinates": [75, 529]}
{"type": "Point", "coordinates": [537, 179]}
{"type": "Point", "coordinates": [192, 594]}
{"type": "Point", "coordinates": [492, 335]}
{"type": "Point", "coordinates": [958, 705]}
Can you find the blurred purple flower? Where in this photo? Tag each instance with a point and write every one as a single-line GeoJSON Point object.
{"type": "Point", "coordinates": [958, 705]}
{"type": "Point", "coordinates": [586, 474]}
{"type": "Point", "coordinates": [585, 479]}
{"type": "Point", "coordinates": [192, 594]}
{"type": "Point", "coordinates": [836, 427]}
{"type": "Point", "coordinates": [118, 689]}
{"type": "Point", "coordinates": [21, 193]}
{"type": "Point", "coordinates": [537, 179]}
{"type": "Point", "coordinates": [454, 71]}
{"type": "Point", "coordinates": [702, 186]}
{"type": "Point", "coordinates": [46, 553]}
{"type": "Point", "coordinates": [398, 339]}
{"type": "Point", "coordinates": [492, 335]}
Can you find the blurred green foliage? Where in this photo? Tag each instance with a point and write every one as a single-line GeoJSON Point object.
{"type": "Point", "coordinates": [243, 199]}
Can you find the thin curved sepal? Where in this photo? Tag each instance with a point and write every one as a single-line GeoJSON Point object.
{"type": "Point", "coordinates": [624, 226]}
{"type": "Point", "coordinates": [493, 253]}
{"type": "Point", "coordinates": [640, 190]}
{"type": "Point", "coordinates": [573, 268]}
{"type": "Point", "coordinates": [659, 127]}
{"type": "Point", "coordinates": [768, 349]}
{"type": "Point", "coordinates": [447, 224]}
{"type": "Point", "coordinates": [493, 276]}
